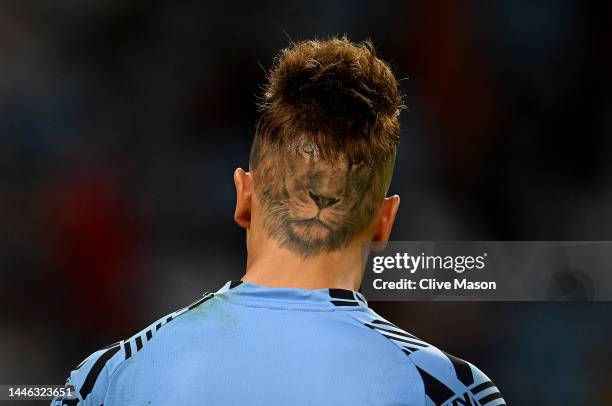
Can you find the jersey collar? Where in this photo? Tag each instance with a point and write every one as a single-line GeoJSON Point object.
{"type": "Point", "coordinates": [332, 297]}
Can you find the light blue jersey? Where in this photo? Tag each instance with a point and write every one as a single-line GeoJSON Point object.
{"type": "Point", "coordinates": [253, 345]}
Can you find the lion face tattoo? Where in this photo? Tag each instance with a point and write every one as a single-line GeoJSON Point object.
{"type": "Point", "coordinates": [311, 204]}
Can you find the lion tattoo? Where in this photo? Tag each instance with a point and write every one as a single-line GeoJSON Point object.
{"type": "Point", "coordinates": [313, 204]}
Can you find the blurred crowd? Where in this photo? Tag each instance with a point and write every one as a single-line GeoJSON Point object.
{"type": "Point", "coordinates": [121, 123]}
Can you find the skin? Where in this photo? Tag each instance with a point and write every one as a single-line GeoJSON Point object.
{"type": "Point", "coordinates": [326, 213]}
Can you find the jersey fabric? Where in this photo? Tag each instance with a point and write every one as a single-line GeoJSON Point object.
{"type": "Point", "coordinates": [253, 345]}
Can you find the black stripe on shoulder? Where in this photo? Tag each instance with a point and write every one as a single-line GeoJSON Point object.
{"type": "Point", "coordinates": [480, 387]}
{"type": "Point", "coordinates": [386, 323]}
{"type": "Point", "coordinates": [199, 302]}
{"type": "Point", "coordinates": [153, 328]}
{"type": "Point", "coordinates": [409, 348]}
{"type": "Point", "coordinates": [127, 347]}
{"type": "Point", "coordinates": [344, 303]}
{"type": "Point", "coordinates": [94, 372]}
{"type": "Point", "coordinates": [490, 398]}
{"type": "Point", "coordinates": [434, 389]}
{"type": "Point", "coordinates": [403, 340]}
{"type": "Point", "coordinates": [386, 330]}
{"type": "Point", "coordinates": [341, 294]}
{"type": "Point", "coordinates": [462, 370]}
{"type": "Point", "coordinates": [233, 284]}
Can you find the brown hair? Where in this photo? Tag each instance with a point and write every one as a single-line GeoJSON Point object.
{"type": "Point", "coordinates": [325, 142]}
{"type": "Point", "coordinates": [336, 94]}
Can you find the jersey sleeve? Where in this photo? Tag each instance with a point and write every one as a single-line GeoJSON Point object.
{"type": "Point", "coordinates": [460, 383]}
{"type": "Point", "coordinates": [90, 379]}
{"type": "Point", "coordinates": [484, 390]}
{"type": "Point", "coordinates": [447, 380]}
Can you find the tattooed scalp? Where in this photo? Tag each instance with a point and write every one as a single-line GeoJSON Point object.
{"type": "Point", "coordinates": [325, 143]}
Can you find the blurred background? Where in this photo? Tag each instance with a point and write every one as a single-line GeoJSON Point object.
{"type": "Point", "coordinates": [121, 123]}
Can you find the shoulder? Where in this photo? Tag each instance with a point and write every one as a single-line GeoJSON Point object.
{"type": "Point", "coordinates": [447, 380]}
{"type": "Point", "coordinates": [91, 378]}
{"type": "Point", "coordinates": [91, 375]}
{"type": "Point", "coordinates": [453, 381]}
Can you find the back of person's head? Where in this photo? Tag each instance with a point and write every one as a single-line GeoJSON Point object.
{"type": "Point", "coordinates": [325, 143]}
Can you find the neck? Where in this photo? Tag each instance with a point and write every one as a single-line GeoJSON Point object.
{"type": "Point", "coordinates": [273, 266]}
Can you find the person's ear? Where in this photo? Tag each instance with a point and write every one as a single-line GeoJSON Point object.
{"type": "Point", "coordinates": [244, 190]}
{"type": "Point", "coordinates": [386, 218]}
